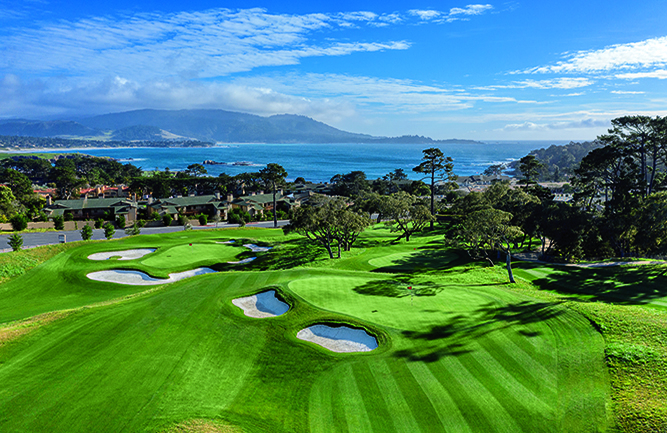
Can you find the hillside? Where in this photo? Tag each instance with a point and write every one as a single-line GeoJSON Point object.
{"type": "Point", "coordinates": [203, 125]}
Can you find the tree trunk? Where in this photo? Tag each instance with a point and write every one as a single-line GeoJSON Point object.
{"type": "Point", "coordinates": [275, 211]}
{"type": "Point", "coordinates": [509, 267]}
{"type": "Point", "coordinates": [432, 196]}
{"type": "Point", "coordinates": [339, 250]}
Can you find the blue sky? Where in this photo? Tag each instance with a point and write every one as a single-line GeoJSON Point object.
{"type": "Point", "coordinates": [514, 70]}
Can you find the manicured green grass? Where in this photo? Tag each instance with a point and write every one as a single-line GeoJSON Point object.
{"type": "Point", "coordinates": [459, 351]}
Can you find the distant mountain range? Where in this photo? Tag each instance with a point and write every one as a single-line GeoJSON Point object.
{"type": "Point", "coordinates": [202, 125]}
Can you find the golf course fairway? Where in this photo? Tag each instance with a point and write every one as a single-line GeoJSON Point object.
{"type": "Point", "coordinates": [458, 350]}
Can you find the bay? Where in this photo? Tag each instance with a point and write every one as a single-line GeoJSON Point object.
{"type": "Point", "coordinates": [320, 162]}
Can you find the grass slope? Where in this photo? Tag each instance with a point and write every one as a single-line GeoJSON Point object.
{"type": "Point", "coordinates": [460, 351]}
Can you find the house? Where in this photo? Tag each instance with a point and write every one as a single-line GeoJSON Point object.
{"type": "Point", "coordinates": [86, 209]}
{"type": "Point", "coordinates": [192, 205]}
{"type": "Point", "coordinates": [259, 203]}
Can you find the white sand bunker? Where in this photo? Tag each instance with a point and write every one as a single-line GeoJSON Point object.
{"type": "Point", "coordinates": [262, 305]}
{"type": "Point", "coordinates": [339, 339]}
{"type": "Point", "coordinates": [138, 278]}
{"type": "Point", "coordinates": [256, 248]}
{"type": "Point", "coordinates": [226, 242]}
{"type": "Point", "coordinates": [122, 255]}
{"type": "Point", "coordinates": [240, 262]}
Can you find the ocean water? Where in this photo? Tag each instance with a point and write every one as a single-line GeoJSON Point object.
{"type": "Point", "coordinates": [320, 162]}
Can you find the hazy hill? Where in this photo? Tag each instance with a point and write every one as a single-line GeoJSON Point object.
{"type": "Point", "coordinates": [54, 128]}
{"type": "Point", "coordinates": [204, 125]}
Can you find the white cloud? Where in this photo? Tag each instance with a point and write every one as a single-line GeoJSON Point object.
{"type": "Point", "coordinates": [627, 92]}
{"type": "Point", "coordinates": [577, 124]}
{"type": "Point", "coordinates": [425, 14]}
{"type": "Point", "coordinates": [660, 74]}
{"type": "Point", "coordinates": [643, 54]}
{"type": "Point", "coordinates": [557, 83]}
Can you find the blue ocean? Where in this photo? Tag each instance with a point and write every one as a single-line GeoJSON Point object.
{"type": "Point", "coordinates": [320, 162]}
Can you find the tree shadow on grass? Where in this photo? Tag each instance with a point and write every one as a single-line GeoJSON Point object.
{"type": "Point", "coordinates": [397, 287]}
{"type": "Point", "coordinates": [454, 337]}
{"type": "Point", "coordinates": [629, 285]}
{"type": "Point", "coordinates": [420, 260]}
{"type": "Point", "coordinates": [287, 255]}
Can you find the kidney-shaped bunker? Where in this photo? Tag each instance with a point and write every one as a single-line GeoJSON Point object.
{"type": "Point", "coordinates": [138, 278]}
{"type": "Point", "coordinates": [122, 255]}
{"type": "Point", "coordinates": [262, 305]}
{"type": "Point", "coordinates": [339, 338]}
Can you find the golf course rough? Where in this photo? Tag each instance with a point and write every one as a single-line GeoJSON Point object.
{"type": "Point", "coordinates": [262, 305]}
{"type": "Point", "coordinates": [341, 339]}
{"type": "Point", "coordinates": [460, 352]}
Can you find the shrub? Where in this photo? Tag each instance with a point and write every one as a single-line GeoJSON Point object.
{"type": "Point", "coordinates": [167, 220]}
{"type": "Point", "coordinates": [183, 220]}
{"type": "Point", "coordinates": [133, 231]}
{"type": "Point", "coordinates": [238, 216]}
{"type": "Point", "coordinates": [41, 217]}
{"type": "Point", "coordinates": [187, 226]}
{"type": "Point", "coordinates": [109, 230]}
{"type": "Point", "coordinates": [120, 221]}
{"type": "Point", "coordinates": [19, 222]}
{"type": "Point", "coordinates": [16, 241]}
{"type": "Point", "coordinates": [59, 222]}
{"type": "Point", "coordinates": [69, 216]}
{"type": "Point", "coordinates": [86, 232]}
{"type": "Point", "coordinates": [203, 219]}
{"type": "Point", "coordinates": [99, 223]}
{"type": "Point", "coordinates": [140, 223]}
{"type": "Point", "coordinates": [154, 216]}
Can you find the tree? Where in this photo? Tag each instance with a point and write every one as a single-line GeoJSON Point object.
{"type": "Point", "coordinates": [19, 222]}
{"type": "Point", "coordinates": [529, 166]}
{"type": "Point", "coordinates": [58, 222]}
{"type": "Point", "coordinates": [407, 213]}
{"type": "Point", "coordinates": [203, 219]}
{"type": "Point", "coordinates": [351, 184]}
{"type": "Point", "coordinates": [109, 230]}
{"type": "Point", "coordinates": [7, 202]}
{"type": "Point", "coordinates": [488, 229]}
{"type": "Point", "coordinates": [196, 170]}
{"type": "Point", "coordinates": [495, 170]}
{"type": "Point", "coordinates": [15, 241]}
{"type": "Point", "coordinates": [273, 175]}
{"type": "Point", "coordinates": [86, 232]}
{"type": "Point", "coordinates": [167, 219]}
{"type": "Point", "coordinates": [435, 163]}
{"type": "Point", "coordinates": [328, 221]}
{"type": "Point", "coordinates": [120, 221]}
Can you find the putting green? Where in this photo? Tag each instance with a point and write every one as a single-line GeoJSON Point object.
{"type": "Point", "coordinates": [185, 255]}
{"type": "Point", "coordinates": [389, 302]}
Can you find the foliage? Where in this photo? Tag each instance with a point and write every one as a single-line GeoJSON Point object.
{"type": "Point", "coordinates": [238, 216]}
{"type": "Point", "coordinates": [86, 232]}
{"type": "Point", "coordinates": [167, 219]}
{"type": "Point", "coordinates": [99, 222]}
{"type": "Point", "coordinates": [15, 241]}
{"type": "Point", "coordinates": [109, 230]}
{"type": "Point", "coordinates": [408, 214]}
{"type": "Point", "coordinates": [351, 184]}
{"type": "Point", "coordinates": [203, 219]}
{"type": "Point", "coordinates": [120, 221]}
{"type": "Point", "coordinates": [154, 216]}
{"type": "Point", "coordinates": [19, 222]}
{"type": "Point", "coordinates": [183, 219]}
{"type": "Point", "coordinates": [436, 165]}
{"type": "Point", "coordinates": [328, 222]}
{"type": "Point", "coordinates": [7, 202]}
{"type": "Point", "coordinates": [58, 222]}
{"type": "Point", "coordinates": [133, 230]}
{"type": "Point", "coordinates": [273, 175]}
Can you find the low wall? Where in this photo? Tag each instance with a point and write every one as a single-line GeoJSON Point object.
{"type": "Point", "coordinates": [78, 225]}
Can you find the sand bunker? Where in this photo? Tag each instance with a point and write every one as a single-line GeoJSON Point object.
{"type": "Point", "coordinates": [262, 305]}
{"type": "Point", "coordinates": [122, 255]}
{"type": "Point", "coordinates": [339, 339]}
{"type": "Point", "coordinates": [256, 248]}
{"type": "Point", "coordinates": [226, 242]}
{"type": "Point", "coordinates": [138, 278]}
{"type": "Point", "coordinates": [240, 262]}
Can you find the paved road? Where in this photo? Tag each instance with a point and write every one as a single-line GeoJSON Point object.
{"type": "Point", "coordinates": [31, 240]}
